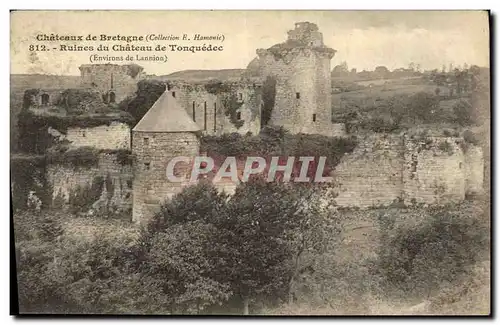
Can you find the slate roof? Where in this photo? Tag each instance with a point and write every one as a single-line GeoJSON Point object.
{"type": "Point", "coordinates": [166, 115]}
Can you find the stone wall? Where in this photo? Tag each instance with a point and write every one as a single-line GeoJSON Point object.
{"type": "Point", "coordinates": [433, 171]}
{"type": "Point", "coordinates": [372, 174]}
{"type": "Point", "coordinates": [385, 170]}
{"type": "Point", "coordinates": [153, 152]}
{"type": "Point", "coordinates": [113, 136]}
{"type": "Point", "coordinates": [65, 180]}
{"type": "Point", "coordinates": [121, 80]}
{"type": "Point", "coordinates": [208, 111]}
{"type": "Point", "coordinates": [38, 98]}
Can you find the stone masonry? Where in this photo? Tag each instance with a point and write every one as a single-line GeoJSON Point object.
{"type": "Point", "coordinates": [388, 169]}
{"type": "Point", "coordinates": [301, 67]}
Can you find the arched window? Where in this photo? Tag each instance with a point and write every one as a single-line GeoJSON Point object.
{"type": "Point", "coordinates": [105, 98]}
{"type": "Point", "coordinates": [112, 97]}
{"type": "Point", "coordinates": [45, 99]}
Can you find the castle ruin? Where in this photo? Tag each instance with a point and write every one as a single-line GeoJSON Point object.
{"type": "Point", "coordinates": [381, 170]}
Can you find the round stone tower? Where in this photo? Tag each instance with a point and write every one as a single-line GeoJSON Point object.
{"type": "Point", "coordinates": [301, 67]}
{"type": "Point", "coordinates": [165, 132]}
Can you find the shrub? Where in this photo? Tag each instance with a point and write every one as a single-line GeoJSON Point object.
{"type": "Point", "coordinates": [82, 198]}
{"type": "Point", "coordinates": [437, 251]}
{"type": "Point", "coordinates": [464, 113]}
{"type": "Point", "coordinates": [470, 137]}
{"type": "Point", "coordinates": [77, 157]}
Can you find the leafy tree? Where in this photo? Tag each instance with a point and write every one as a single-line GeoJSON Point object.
{"type": "Point", "coordinates": [464, 113]}
{"type": "Point", "coordinates": [148, 92]}
{"type": "Point", "coordinates": [422, 106]}
{"type": "Point", "coordinates": [438, 250]}
{"type": "Point", "coordinates": [382, 72]}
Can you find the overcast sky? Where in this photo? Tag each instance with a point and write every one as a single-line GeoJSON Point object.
{"type": "Point", "coordinates": [364, 39]}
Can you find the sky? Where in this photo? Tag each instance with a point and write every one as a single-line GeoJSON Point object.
{"type": "Point", "coordinates": [363, 39]}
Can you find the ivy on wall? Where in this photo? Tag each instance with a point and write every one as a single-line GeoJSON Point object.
{"type": "Point", "coordinates": [229, 100]}
{"type": "Point", "coordinates": [278, 142]}
{"type": "Point", "coordinates": [85, 157]}
{"type": "Point", "coordinates": [82, 197]}
{"type": "Point", "coordinates": [231, 108]}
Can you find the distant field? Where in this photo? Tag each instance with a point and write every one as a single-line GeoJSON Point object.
{"type": "Point", "coordinates": [369, 96]}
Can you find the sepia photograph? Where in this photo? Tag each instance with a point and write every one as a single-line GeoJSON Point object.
{"type": "Point", "coordinates": [250, 163]}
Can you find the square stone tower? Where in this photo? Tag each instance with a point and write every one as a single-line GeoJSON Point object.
{"type": "Point", "coordinates": [164, 133]}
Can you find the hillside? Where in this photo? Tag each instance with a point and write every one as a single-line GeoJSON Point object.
{"type": "Point", "coordinates": [201, 75]}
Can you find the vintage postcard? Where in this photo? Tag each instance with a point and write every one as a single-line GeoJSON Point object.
{"type": "Point", "coordinates": [251, 162]}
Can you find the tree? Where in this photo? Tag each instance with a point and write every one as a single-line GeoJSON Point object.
{"type": "Point", "coordinates": [422, 106]}
{"type": "Point", "coordinates": [382, 72]}
{"type": "Point", "coordinates": [148, 91]}
{"type": "Point", "coordinates": [465, 114]}
{"type": "Point", "coordinates": [341, 70]}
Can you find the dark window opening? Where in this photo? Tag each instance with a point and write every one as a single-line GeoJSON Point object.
{"type": "Point", "coordinates": [83, 134]}
{"type": "Point", "coordinates": [45, 99]}
{"type": "Point", "coordinates": [112, 97]}
{"type": "Point", "coordinates": [297, 95]}
{"type": "Point", "coordinates": [215, 117]}
{"type": "Point", "coordinates": [240, 96]}
{"type": "Point", "coordinates": [146, 141]}
{"type": "Point", "coordinates": [238, 116]}
{"type": "Point", "coordinates": [314, 117]}
{"type": "Point", "coordinates": [205, 116]}
{"type": "Point", "coordinates": [105, 98]}
{"type": "Point", "coordinates": [147, 166]}
{"type": "Point", "coordinates": [194, 112]}
{"type": "Point", "coordinates": [173, 93]}
{"type": "Point", "coordinates": [460, 165]}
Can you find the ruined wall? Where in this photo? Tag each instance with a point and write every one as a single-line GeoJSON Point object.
{"type": "Point", "coordinates": [372, 174]}
{"type": "Point", "coordinates": [154, 151]}
{"type": "Point", "coordinates": [385, 169]}
{"type": "Point", "coordinates": [113, 136]}
{"type": "Point", "coordinates": [434, 171]}
{"type": "Point", "coordinates": [65, 180]}
{"type": "Point", "coordinates": [208, 109]}
{"type": "Point", "coordinates": [38, 98]}
{"type": "Point", "coordinates": [109, 79]}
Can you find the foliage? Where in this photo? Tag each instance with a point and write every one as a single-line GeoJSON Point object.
{"type": "Point", "coordinates": [82, 198]}
{"type": "Point", "coordinates": [74, 157]}
{"type": "Point", "coordinates": [232, 106]}
{"type": "Point", "coordinates": [438, 250]}
{"type": "Point", "coordinates": [464, 113]}
{"type": "Point", "coordinates": [148, 92]}
{"type": "Point", "coordinates": [278, 142]}
{"type": "Point", "coordinates": [470, 137]}
{"type": "Point", "coordinates": [217, 87]}
{"type": "Point", "coordinates": [124, 157]}
{"type": "Point", "coordinates": [27, 174]}
{"type": "Point", "coordinates": [33, 129]}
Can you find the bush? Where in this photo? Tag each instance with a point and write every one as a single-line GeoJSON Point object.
{"type": "Point", "coordinates": [436, 252]}
{"type": "Point", "coordinates": [82, 198]}
{"type": "Point", "coordinates": [464, 113]}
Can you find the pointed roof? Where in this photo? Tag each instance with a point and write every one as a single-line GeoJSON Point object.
{"type": "Point", "coordinates": [166, 115]}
